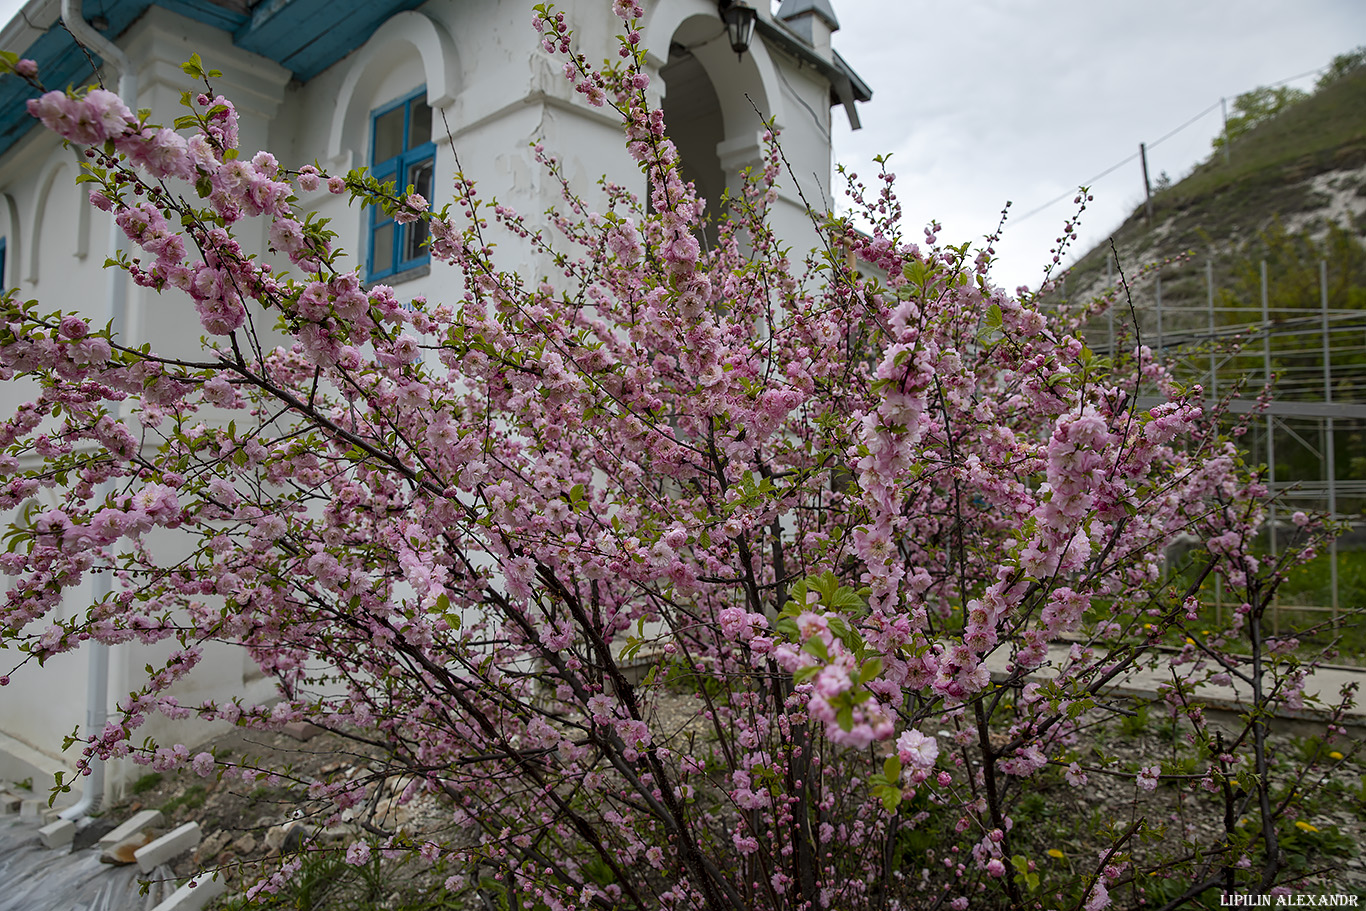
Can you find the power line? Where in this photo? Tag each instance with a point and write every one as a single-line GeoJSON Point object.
{"type": "Point", "coordinates": [1114, 167]}
{"type": "Point", "coordinates": [1186, 124]}
{"type": "Point", "coordinates": [1119, 164]}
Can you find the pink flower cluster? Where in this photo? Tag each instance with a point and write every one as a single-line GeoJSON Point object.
{"type": "Point", "coordinates": [506, 535]}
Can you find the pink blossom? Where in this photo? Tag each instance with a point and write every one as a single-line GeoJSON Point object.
{"type": "Point", "coordinates": [202, 764]}
{"type": "Point", "coordinates": [410, 209]}
{"type": "Point", "coordinates": [109, 113]}
{"type": "Point", "coordinates": [917, 749]}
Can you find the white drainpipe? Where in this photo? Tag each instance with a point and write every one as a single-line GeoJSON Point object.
{"type": "Point", "coordinates": [97, 685]}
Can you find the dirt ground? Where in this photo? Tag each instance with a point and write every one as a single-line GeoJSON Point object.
{"type": "Point", "coordinates": [248, 823]}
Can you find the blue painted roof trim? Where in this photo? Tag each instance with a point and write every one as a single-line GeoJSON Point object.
{"type": "Point", "coordinates": [308, 36]}
{"type": "Point", "coordinates": [304, 36]}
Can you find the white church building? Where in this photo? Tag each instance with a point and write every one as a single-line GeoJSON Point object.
{"type": "Point", "coordinates": [402, 87]}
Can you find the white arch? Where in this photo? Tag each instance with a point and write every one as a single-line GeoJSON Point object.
{"type": "Point", "coordinates": [47, 178]}
{"type": "Point", "coordinates": [13, 242]}
{"type": "Point", "coordinates": [755, 73]}
{"type": "Point", "coordinates": [440, 63]}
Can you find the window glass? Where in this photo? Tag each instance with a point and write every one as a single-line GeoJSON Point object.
{"type": "Point", "coordinates": [389, 134]}
{"type": "Point", "coordinates": [402, 152]}
{"type": "Point", "coordinates": [420, 179]}
{"type": "Point", "coordinates": [419, 125]}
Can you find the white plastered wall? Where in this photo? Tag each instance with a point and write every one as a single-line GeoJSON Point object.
{"type": "Point", "coordinates": [494, 91]}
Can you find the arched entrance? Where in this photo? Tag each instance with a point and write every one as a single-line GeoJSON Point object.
{"type": "Point", "coordinates": [710, 99]}
{"type": "Point", "coordinates": [692, 116]}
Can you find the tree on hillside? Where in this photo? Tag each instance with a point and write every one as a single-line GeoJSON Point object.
{"type": "Point", "coordinates": [1342, 65]}
{"type": "Point", "coordinates": [1253, 108]}
{"type": "Point", "coordinates": [837, 525]}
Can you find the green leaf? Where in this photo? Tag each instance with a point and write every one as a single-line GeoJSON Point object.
{"type": "Point", "coordinates": [816, 646]}
{"type": "Point", "coordinates": [994, 318]}
{"type": "Point", "coordinates": [891, 768]}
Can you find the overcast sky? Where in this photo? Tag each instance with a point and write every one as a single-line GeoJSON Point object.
{"type": "Point", "coordinates": [984, 101]}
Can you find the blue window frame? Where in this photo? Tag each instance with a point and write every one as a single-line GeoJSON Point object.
{"type": "Point", "coordinates": [402, 151]}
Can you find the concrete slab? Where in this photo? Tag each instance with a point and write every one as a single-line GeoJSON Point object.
{"type": "Point", "coordinates": [302, 730]}
{"type": "Point", "coordinates": [57, 834]}
{"type": "Point", "coordinates": [167, 847]}
{"type": "Point", "coordinates": [195, 894]}
{"type": "Point", "coordinates": [34, 878]}
{"type": "Point", "coordinates": [19, 762]}
{"type": "Point", "coordinates": [125, 852]}
{"type": "Point", "coordinates": [1324, 684]}
{"type": "Point", "coordinates": [131, 826]}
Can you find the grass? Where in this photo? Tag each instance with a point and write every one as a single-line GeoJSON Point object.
{"type": "Point", "coordinates": [193, 798]}
{"type": "Point", "coordinates": [1301, 607]}
{"type": "Point", "coordinates": [326, 881]}
{"type": "Point", "coordinates": [1323, 132]}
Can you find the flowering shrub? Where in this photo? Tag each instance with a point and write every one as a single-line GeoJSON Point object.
{"type": "Point", "coordinates": [838, 520]}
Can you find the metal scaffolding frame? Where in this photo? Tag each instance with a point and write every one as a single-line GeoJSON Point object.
{"type": "Point", "coordinates": [1312, 401]}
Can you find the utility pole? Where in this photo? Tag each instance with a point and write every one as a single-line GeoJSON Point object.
{"type": "Point", "coordinates": [1147, 187]}
{"type": "Point", "coordinates": [1228, 159]}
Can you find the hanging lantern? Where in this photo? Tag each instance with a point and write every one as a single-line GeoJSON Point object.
{"type": "Point", "coordinates": [739, 18]}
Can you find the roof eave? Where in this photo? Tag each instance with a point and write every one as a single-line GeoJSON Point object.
{"type": "Point", "coordinates": [847, 86]}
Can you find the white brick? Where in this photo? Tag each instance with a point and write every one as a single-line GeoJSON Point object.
{"type": "Point", "coordinates": [195, 894]}
{"type": "Point", "coordinates": [31, 810]}
{"type": "Point", "coordinates": [57, 834]}
{"type": "Point", "coordinates": [10, 803]}
{"type": "Point", "coordinates": [133, 825]}
{"type": "Point", "coordinates": [167, 847]}
{"type": "Point", "coordinates": [124, 851]}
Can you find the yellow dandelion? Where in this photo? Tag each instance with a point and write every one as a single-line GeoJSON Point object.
{"type": "Point", "coordinates": [1190, 641]}
{"type": "Point", "coordinates": [1055, 853]}
{"type": "Point", "coordinates": [1335, 755]}
{"type": "Point", "coordinates": [1304, 826]}
{"type": "Point", "coordinates": [1204, 632]}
